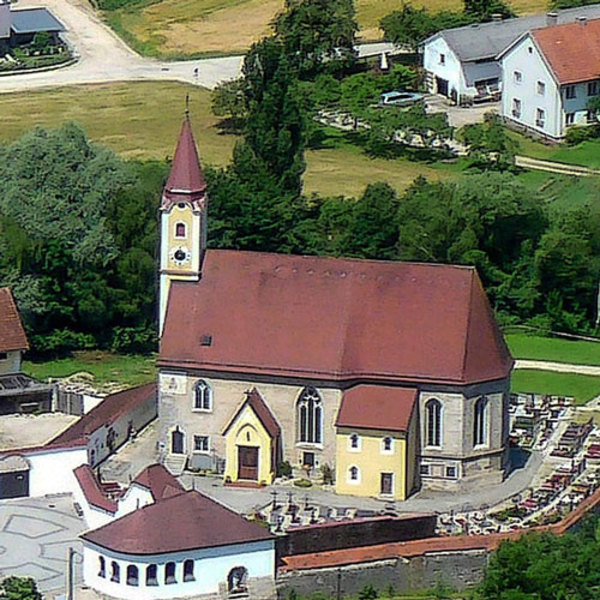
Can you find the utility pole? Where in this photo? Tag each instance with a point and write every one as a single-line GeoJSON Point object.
{"type": "Point", "coordinates": [69, 577]}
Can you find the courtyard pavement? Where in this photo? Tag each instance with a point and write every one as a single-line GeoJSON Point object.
{"type": "Point", "coordinates": [134, 456]}
{"type": "Point", "coordinates": [35, 534]}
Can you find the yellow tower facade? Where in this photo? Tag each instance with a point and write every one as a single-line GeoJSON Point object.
{"type": "Point", "coordinates": [182, 219]}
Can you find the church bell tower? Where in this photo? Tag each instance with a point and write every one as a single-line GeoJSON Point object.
{"type": "Point", "coordinates": [182, 219]}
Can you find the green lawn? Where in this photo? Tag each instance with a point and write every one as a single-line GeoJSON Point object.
{"type": "Point", "coordinates": [553, 349]}
{"type": "Point", "coordinates": [582, 387]}
{"type": "Point", "coordinates": [106, 368]}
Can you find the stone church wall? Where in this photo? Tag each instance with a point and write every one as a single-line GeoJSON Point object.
{"type": "Point", "coordinates": [176, 409]}
{"type": "Point", "coordinates": [456, 569]}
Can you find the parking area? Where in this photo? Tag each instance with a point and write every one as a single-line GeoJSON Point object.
{"type": "Point", "coordinates": [35, 534]}
{"type": "Point", "coordinates": [459, 115]}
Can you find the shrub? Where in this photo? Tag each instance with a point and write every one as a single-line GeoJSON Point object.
{"type": "Point", "coordinates": [368, 593]}
{"type": "Point", "coordinates": [285, 469]}
{"type": "Point", "coordinates": [303, 483]}
{"type": "Point", "coordinates": [576, 135]}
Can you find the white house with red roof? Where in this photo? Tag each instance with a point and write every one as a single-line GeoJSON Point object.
{"type": "Point", "coordinates": [260, 354]}
{"type": "Point", "coordinates": [181, 544]}
{"type": "Point", "coordinates": [550, 75]}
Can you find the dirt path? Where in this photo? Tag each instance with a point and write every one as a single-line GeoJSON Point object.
{"type": "Point", "coordinates": [543, 365]}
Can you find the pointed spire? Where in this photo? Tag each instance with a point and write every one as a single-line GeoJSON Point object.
{"type": "Point", "coordinates": [186, 180]}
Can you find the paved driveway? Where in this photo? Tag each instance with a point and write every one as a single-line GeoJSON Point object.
{"type": "Point", "coordinates": [35, 534]}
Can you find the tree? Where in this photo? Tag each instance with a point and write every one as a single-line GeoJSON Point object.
{"type": "Point", "coordinates": [314, 32]}
{"type": "Point", "coordinates": [275, 125]}
{"type": "Point", "coordinates": [488, 144]}
{"type": "Point", "coordinates": [410, 26]}
{"type": "Point", "coordinates": [19, 588]}
{"type": "Point", "coordinates": [228, 100]}
{"type": "Point", "coordinates": [482, 10]}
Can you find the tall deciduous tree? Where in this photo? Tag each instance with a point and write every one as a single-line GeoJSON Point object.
{"type": "Point", "coordinates": [314, 32]}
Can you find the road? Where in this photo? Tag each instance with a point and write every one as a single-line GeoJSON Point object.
{"type": "Point", "coordinates": [104, 57]}
{"type": "Point", "coordinates": [543, 365]}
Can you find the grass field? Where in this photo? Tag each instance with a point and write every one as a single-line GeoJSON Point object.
{"type": "Point", "coordinates": [106, 368]}
{"type": "Point", "coordinates": [582, 387]}
{"type": "Point", "coordinates": [191, 27]}
{"type": "Point", "coordinates": [553, 349]}
{"type": "Point", "coordinates": [131, 119]}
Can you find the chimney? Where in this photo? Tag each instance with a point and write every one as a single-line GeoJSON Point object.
{"type": "Point", "coordinates": [496, 17]}
{"type": "Point", "coordinates": [582, 21]}
{"type": "Point", "coordinates": [551, 19]}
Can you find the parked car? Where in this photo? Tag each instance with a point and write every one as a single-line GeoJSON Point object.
{"type": "Point", "coordinates": [398, 98]}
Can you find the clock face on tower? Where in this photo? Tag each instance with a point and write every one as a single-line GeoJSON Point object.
{"type": "Point", "coordinates": [180, 255]}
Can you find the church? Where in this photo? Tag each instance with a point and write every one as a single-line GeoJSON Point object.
{"type": "Point", "coordinates": [390, 376]}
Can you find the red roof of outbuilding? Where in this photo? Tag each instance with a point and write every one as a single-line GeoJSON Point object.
{"type": "Point", "coordinates": [107, 412]}
{"type": "Point", "coordinates": [159, 482]}
{"type": "Point", "coordinates": [12, 334]}
{"type": "Point", "coordinates": [334, 318]}
{"type": "Point", "coordinates": [188, 521]}
{"type": "Point", "coordinates": [186, 180]}
{"type": "Point", "coordinates": [377, 407]}
{"type": "Point", "coordinates": [571, 50]}
{"type": "Point", "coordinates": [92, 490]}
{"type": "Point", "coordinates": [261, 410]}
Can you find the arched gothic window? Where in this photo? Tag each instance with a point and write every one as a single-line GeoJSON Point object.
{"type": "Point", "coordinates": [202, 396]}
{"type": "Point", "coordinates": [151, 575]}
{"type": "Point", "coordinates": [480, 422]}
{"type": "Point", "coordinates": [180, 230]}
{"type": "Point", "coordinates": [433, 416]}
{"type": "Point", "coordinates": [115, 572]}
{"type": "Point", "coordinates": [237, 580]}
{"type": "Point", "coordinates": [310, 417]}
{"type": "Point", "coordinates": [132, 575]}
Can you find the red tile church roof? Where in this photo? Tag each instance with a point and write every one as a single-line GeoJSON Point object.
{"type": "Point", "coordinates": [188, 521]}
{"type": "Point", "coordinates": [261, 410]}
{"type": "Point", "coordinates": [335, 319]}
{"type": "Point", "coordinates": [12, 334]}
{"type": "Point", "coordinates": [159, 482]}
{"type": "Point", "coordinates": [377, 407]}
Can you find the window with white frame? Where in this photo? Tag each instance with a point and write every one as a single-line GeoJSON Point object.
{"type": "Point", "coordinates": [540, 88]}
{"type": "Point", "coordinates": [387, 445]}
{"type": "Point", "coordinates": [180, 230]}
{"type": "Point", "coordinates": [115, 572]}
{"type": "Point", "coordinates": [132, 575]}
{"type": "Point", "coordinates": [202, 396]}
{"type": "Point", "coordinates": [517, 76]}
{"type": "Point", "coordinates": [353, 474]}
{"type": "Point", "coordinates": [592, 88]}
{"type": "Point", "coordinates": [433, 422]}
{"type": "Point", "coordinates": [151, 575]}
{"type": "Point", "coordinates": [540, 118]}
{"type": "Point", "coordinates": [201, 443]}
{"type": "Point", "coordinates": [480, 422]}
{"type": "Point", "coordinates": [309, 414]}
{"type": "Point", "coordinates": [516, 108]}
{"type": "Point", "coordinates": [188, 570]}
{"type": "Point", "coordinates": [570, 92]}
{"type": "Point", "coordinates": [451, 472]}
{"type": "Point", "coordinates": [170, 573]}
{"type": "Point", "coordinates": [354, 442]}
{"type": "Point", "coordinates": [569, 118]}
{"type": "Point", "coordinates": [102, 569]}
